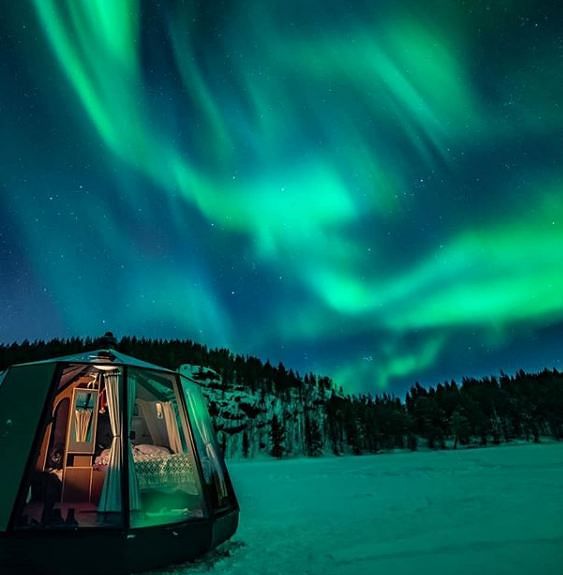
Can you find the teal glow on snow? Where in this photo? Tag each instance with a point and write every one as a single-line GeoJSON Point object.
{"type": "Point", "coordinates": [492, 511]}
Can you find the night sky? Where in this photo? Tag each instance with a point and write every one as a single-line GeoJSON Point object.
{"type": "Point", "coordinates": [372, 190]}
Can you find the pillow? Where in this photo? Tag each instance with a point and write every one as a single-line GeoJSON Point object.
{"type": "Point", "coordinates": [154, 450]}
{"type": "Point", "coordinates": [103, 458]}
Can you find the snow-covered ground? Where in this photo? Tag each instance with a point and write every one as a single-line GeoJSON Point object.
{"type": "Point", "coordinates": [482, 511]}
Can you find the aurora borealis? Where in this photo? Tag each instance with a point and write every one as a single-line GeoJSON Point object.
{"type": "Point", "coordinates": [371, 190]}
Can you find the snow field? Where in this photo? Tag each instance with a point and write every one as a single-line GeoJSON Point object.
{"type": "Point", "coordinates": [497, 510]}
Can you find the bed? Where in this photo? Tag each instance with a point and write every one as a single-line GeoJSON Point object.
{"type": "Point", "coordinates": [157, 467]}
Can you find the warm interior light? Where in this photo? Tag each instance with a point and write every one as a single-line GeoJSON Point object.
{"type": "Point", "coordinates": [106, 367]}
{"type": "Point", "coordinates": [159, 412]}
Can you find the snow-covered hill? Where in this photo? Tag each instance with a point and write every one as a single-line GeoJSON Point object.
{"type": "Point", "coordinates": [253, 423]}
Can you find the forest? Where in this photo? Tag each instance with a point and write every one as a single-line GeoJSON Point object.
{"type": "Point", "coordinates": [260, 408]}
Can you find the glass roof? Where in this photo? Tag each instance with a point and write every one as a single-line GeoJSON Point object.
{"type": "Point", "coordinates": [101, 357]}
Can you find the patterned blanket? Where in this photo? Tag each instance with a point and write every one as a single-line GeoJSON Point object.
{"type": "Point", "coordinates": [172, 471]}
{"type": "Point", "coordinates": [159, 470]}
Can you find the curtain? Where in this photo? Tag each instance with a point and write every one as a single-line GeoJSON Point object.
{"type": "Point", "coordinates": [200, 418]}
{"type": "Point", "coordinates": [110, 499]}
{"type": "Point", "coordinates": [174, 440]}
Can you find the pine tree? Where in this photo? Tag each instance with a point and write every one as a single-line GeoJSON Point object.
{"type": "Point", "coordinates": [316, 440]}
{"type": "Point", "coordinates": [245, 444]}
{"type": "Point", "coordinates": [460, 428]}
{"type": "Point", "coordinates": [277, 435]}
{"type": "Point", "coordinates": [412, 442]}
{"type": "Point", "coordinates": [223, 443]}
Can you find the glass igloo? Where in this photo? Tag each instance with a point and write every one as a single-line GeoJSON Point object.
{"type": "Point", "coordinates": [110, 463]}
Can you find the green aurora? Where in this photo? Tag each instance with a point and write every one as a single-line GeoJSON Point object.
{"type": "Point", "coordinates": [373, 190]}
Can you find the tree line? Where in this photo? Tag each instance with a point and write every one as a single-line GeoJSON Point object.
{"type": "Point", "coordinates": [170, 353]}
{"type": "Point", "coordinates": [320, 418]}
{"type": "Point", "coordinates": [479, 411]}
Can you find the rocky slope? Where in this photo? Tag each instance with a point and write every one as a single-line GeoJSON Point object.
{"type": "Point", "coordinates": [252, 423]}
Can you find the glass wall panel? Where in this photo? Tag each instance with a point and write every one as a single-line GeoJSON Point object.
{"type": "Point", "coordinates": [68, 480]}
{"type": "Point", "coordinates": [214, 470]}
{"type": "Point", "coordinates": [164, 486]}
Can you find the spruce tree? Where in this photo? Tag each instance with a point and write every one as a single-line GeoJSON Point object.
{"type": "Point", "coordinates": [316, 440]}
{"type": "Point", "coordinates": [277, 435]}
{"type": "Point", "coordinates": [245, 445]}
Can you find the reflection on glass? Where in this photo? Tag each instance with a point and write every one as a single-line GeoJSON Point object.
{"type": "Point", "coordinates": [164, 485]}
{"type": "Point", "coordinates": [82, 431]}
{"type": "Point", "coordinates": [202, 429]}
{"type": "Point", "coordinates": [83, 418]}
